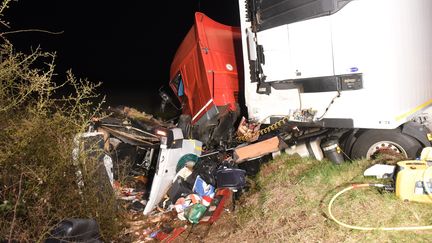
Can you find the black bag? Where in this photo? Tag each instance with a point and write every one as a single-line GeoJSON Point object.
{"type": "Point", "coordinates": [232, 178]}
{"type": "Point", "coordinates": [75, 230]}
{"type": "Point", "coordinates": [206, 169]}
{"type": "Point", "coordinates": [178, 189]}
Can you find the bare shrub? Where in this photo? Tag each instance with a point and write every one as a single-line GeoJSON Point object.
{"type": "Point", "coordinates": [38, 120]}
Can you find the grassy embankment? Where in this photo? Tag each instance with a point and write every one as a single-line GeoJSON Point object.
{"type": "Point", "coordinates": [290, 204]}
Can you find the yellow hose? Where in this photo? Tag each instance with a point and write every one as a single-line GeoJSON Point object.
{"type": "Point", "coordinates": [427, 227]}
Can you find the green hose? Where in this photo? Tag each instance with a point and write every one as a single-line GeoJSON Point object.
{"type": "Point", "coordinates": [184, 159]}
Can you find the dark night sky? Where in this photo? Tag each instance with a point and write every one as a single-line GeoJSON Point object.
{"type": "Point", "coordinates": [127, 45]}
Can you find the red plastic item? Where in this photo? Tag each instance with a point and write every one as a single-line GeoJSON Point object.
{"type": "Point", "coordinates": [161, 236]}
{"type": "Point", "coordinates": [221, 197]}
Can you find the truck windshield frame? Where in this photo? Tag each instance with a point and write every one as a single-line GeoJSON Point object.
{"type": "Point", "coordinates": [177, 85]}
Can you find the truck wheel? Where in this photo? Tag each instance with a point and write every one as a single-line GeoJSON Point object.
{"type": "Point", "coordinates": [373, 142]}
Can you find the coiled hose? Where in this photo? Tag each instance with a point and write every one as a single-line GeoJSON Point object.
{"type": "Point", "coordinates": [355, 186]}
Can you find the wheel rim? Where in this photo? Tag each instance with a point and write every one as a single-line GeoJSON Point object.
{"type": "Point", "coordinates": [385, 147]}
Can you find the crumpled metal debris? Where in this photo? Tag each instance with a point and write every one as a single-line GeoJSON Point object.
{"type": "Point", "coordinates": [131, 141]}
{"type": "Point", "coordinates": [248, 131]}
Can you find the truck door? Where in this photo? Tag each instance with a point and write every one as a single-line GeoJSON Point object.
{"type": "Point", "coordinates": [292, 39]}
{"type": "Point", "coordinates": [299, 50]}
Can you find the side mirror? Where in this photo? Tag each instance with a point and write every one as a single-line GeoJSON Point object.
{"type": "Point", "coordinates": [165, 99]}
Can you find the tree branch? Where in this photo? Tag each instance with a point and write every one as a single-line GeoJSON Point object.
{"type": "Point", "coordinates": [15, 209]}
{"type": "Point", "coordinates": [32, 30]}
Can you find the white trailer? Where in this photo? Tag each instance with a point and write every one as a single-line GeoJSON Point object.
{"type": "Point", "coordinates": [364, 66]}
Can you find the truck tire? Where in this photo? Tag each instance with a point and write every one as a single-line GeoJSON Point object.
{"type": "Point", "coordinates": [372, 142]}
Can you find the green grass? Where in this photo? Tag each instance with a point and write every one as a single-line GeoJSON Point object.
{"type": "Point", "coordinates": [289, 204]}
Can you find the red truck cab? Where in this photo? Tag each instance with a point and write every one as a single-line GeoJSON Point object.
{"type": "Point", "coordinates": [204, 75]}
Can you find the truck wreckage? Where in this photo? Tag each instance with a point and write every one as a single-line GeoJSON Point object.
{"type": "Point", "coordinates": [154, 170]}
{"type": "Point", "coordinates": [220, 70]}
